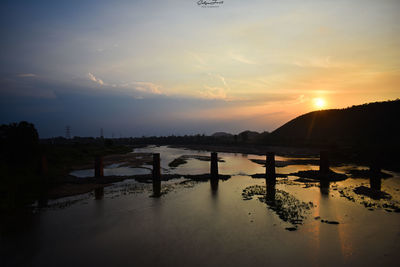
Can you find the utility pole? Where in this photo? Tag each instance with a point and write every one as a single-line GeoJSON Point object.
{"type": "Point", "coordinates": [68, 132]}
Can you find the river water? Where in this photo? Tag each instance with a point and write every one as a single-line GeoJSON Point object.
{"type": "Point", "coordinates": [195, 225]}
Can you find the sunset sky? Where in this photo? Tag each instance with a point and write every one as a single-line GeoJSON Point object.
{"type": "Point", "coordinates": [139, 68]}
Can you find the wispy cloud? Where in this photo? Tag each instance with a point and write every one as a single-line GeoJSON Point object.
{"type": "Point", "coordinates": [94, 79]}
{"type": "Point", "coordinates": [26, 75]}
{"type": "Point", "coordinates": [213, 92]}
{"type": "Point", "coordinates": [146, 87]}
{"type": "Point", "coordinates": [219, 88]}
{"type": "Point", "coordinates": [241, 58]}
{"type": "Point", "coordinates": [320, 62]}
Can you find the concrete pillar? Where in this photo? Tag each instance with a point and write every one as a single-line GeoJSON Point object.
{"type": "Point", "coordinates": [156, 175]}
{"type": "Point", "coordinates": [324, 163]}
{"type": "Point", "coordinates": [214, 166]}
{"type": "Point", "coordinates": [98, 167]}
{"type": "Point", "coordinates": [270, 166]}
{"type": "Point", "coordinates": [375, 179]}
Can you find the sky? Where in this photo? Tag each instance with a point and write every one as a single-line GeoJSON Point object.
{"type": "Point", "coordinates": [143, 68]}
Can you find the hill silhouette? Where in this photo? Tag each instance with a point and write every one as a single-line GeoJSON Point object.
{"type": "Point", "coordinates": [373, 124]}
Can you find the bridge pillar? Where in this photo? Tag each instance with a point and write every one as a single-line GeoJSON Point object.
{"type": "Point", "coordinates": [98, 167]}
{"type": "Point", "coordinates": [156, 175]}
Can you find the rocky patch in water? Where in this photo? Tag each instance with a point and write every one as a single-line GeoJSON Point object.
{"type": "Point", "coordinates": [285, 163]}
{"type": "Point", "coordinates": [316, 175]}
{"type": "Point", "coordinates": [262, 175]}
{"type": "Point", "coordinates": [366, 173]}
{"type": "Point", "coordinates": [287, 207]}
{"type": "Point", "coordinates": [184, 158]}
{"type": "Point", "coordinates": [326, 221]}
{"type": "Point", "coordinates": [148, 178]}
{"type": "Point", "coordinates": [133, 160]}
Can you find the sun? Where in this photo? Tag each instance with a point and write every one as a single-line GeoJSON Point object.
{"type": "Point", "coordinates": [319, 102]}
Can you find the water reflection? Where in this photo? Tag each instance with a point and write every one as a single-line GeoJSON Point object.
{"type": "Point", "coordinates": [271, 190]}
{"type": "Point", "coordinates": [214, 186]}
{"type": "Point", "coordinates": [124, 229]}
{"type": "Point", "coordinates": [99, 193]}
{"type": "Point", "coordinates": [324, 187]}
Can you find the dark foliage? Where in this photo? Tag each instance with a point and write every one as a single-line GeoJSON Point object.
{"type": "Point", "coordinates": [19, 142]}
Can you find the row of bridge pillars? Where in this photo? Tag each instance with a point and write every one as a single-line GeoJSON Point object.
{"type": "Point", "coordinates": [270, 174]}
{"type": "Point", "coordinates": [324, 169]}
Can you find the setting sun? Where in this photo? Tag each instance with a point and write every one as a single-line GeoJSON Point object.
{"type": "Point", "coordinates": [319, 102]}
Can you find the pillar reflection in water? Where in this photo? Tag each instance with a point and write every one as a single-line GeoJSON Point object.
{"type": "Point", "coordinates": [324, 186]}
{"type": "Point", "coordinates": [99, 193]}
{"type": "Point", "coordinates": [214, 186]}
{"type": "Point", "coordinates": [271, 190]}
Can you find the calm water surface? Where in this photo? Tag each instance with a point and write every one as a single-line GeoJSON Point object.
{"type": "Point", "coordinates": [192, 225]}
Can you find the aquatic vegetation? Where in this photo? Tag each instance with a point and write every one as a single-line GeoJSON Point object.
{"type": "Point", "coordinates": [287, 207]}
{"type": "Point", "coordinates": [370, 198]}
{"type": "Point", "coordinates": [372, 193]}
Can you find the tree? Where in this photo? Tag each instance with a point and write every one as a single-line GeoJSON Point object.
{"type": "Point", "coordinates": [19, 142]}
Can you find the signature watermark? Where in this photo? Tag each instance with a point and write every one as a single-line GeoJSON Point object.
{"type": "Point", "coordinates": [210, 3]}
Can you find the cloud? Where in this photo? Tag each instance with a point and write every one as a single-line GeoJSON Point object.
{"type": "Point", "coordinates": [223, 81]}
{"type": "Point", "coordinates": [94, 79]}
{"type": "Point", "coordinates": [147, 87]}
{"type": "Point", "coordinates": [144, 87]}
{"type": "Point", "coordinates": [26, 75]}
{"type": "Point", "coordinates": [216, 87]}
{"type": "Point", "coordinates": [241, 58]}
{"type": "Point", "coordinates": [320, 62]}
{"type": "Point", "coordinates": [210, 92]}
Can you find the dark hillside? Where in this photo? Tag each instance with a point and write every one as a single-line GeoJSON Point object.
{"type": "Point", "coordinates": [373, 124]}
